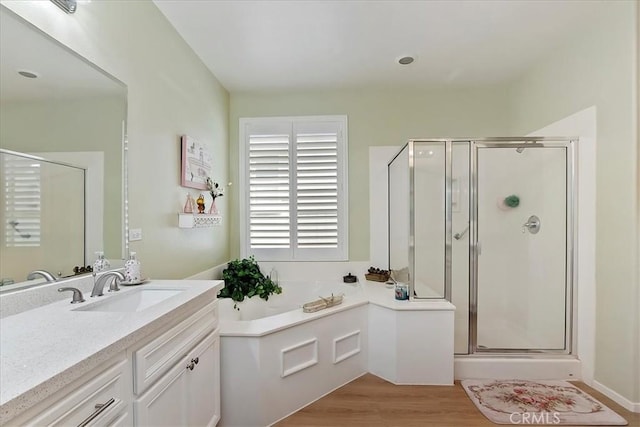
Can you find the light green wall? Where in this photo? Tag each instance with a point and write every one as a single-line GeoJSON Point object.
{"type": "Point", "coordinates": [598, 68]}
{"type": "Point", "coordinates": [376, 117]}
{"type": "Point", "coordinates": [170, 92]}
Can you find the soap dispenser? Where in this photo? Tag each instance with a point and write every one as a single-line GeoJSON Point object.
{"type": "Point", "coordinates": [101, 264]}
{"type": "Point", "coordinates": [132, 269]}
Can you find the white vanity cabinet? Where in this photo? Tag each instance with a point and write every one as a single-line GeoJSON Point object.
{"type": "Point", "coordinates": [177, 375]}
{"type": "Point", "coordinates": [152, 367]}
{"type": "Point", "coordinates": [101, 400]}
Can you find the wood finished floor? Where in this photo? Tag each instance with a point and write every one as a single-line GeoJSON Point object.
{"type": "Point", "coordinates": [373, 402]}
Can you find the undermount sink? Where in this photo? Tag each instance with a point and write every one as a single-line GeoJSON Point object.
{"type": "Point", "coordinates": [131, 301]}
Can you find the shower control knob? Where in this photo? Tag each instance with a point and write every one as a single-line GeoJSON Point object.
{"type": "Point", "coordinates": [532, 224]}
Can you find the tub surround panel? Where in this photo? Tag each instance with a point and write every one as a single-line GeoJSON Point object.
{"type": "Point", "coordinates": [346, 347]}
{"type": "Point", "coordinates": [285, 370]}
{"type": "Point", "coordinates": [53, 336]}
{"type": "Point", "coordinates": [298, 357]}
{"type": "Point", "coordinates": [286, 361]}
{"type": "Point", "coordinates": [403, 353]}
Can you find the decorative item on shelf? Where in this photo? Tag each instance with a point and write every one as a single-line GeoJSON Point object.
{"type": "Point", "coordinates": [243, 279]}
{"type": "Point", "coordinates": [189, 204]}
{"type": "Point", "coordinates": [216, 191]}
{"type": "Point", "coordinates": [82, 270]}
{"type": "Point", "coordinates": [101, 264]}
{"type": "Point", "coordinates": [132, 269]}
{"type": "Point", "coordinates": [200, 203]}
{"type": "Point", "coordinates": [349, 278]}
{"type": "Point", "coordinates": [377, 275]}
{"type": "Point", "coordinates": [402, 291]}
{"type": "Point", "coordinates": [322, 303]}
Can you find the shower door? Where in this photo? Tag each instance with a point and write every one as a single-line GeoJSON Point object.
{"type": "Point", "coordinates": [522, 253]}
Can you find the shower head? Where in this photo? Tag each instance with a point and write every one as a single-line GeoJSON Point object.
{"type": "Point", "coordinates": [520, 149]}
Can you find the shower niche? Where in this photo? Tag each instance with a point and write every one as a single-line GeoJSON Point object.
{"type": "Point", "coordinates": [488, 224]}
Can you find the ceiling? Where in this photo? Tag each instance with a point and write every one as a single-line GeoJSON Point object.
{"type": "Point", "coordinates": [314, 44]}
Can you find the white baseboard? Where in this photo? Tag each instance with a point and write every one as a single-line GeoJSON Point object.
{"type": "Point", "coordinates": [617, 397]}
{"type": "Point", "coordinates": [214, 273]}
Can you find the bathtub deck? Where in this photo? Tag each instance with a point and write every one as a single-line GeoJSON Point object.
{"type": "Point", "coordinates": [372, 402]}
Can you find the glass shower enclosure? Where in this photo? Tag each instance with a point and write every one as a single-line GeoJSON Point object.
{"type": "Point", "coordinates": [488, 224]}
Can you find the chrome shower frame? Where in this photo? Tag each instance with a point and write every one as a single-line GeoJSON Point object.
{"type": "Point", "coordinates": [570, 145]}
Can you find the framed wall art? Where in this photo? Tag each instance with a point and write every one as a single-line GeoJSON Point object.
{"type": "Point", "coordinates": [196, 163]}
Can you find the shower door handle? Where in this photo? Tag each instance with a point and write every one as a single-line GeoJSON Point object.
{"type": "Point", "coordinates": [532, 224]}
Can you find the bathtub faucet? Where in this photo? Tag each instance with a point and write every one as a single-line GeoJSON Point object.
{"type": "Point", "coordinates": [273, 275]}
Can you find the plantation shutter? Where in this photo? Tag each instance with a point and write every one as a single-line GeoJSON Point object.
{"type": "Point", "coordinates": [317, 185]}
{"type": "Point", "coordinates": [269, 189]}
{"type": "Point", "coordinates": [22, 201]}
{"type": "Point", "coordinates": [295, 171]}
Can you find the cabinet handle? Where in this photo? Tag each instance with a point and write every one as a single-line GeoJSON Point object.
{"type": "Point", "coordinates": [191, 365]}
{"type": "Point", "coordinates": [196, 360]}
{"type": "Point", "coordinates": [100, 407]}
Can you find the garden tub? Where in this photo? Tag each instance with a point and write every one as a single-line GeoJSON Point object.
{"type": "Point", "coordinates": [280, 359]}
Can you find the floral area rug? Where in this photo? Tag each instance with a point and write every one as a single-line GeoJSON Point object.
{"type": "Point", "coordinates": [538, 403]}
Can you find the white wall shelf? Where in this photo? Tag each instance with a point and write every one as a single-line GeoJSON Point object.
{"type": "Point", "coordinates": [189, 220]}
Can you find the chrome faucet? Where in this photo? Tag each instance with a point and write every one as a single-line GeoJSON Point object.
{"type": "Point", "coordinates": [77, 294]}
{"type": "Point", "coordinates": [98, 285]}
{"type": "Point", "coordinates": [47, 276]}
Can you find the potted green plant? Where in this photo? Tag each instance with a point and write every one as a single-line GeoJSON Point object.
{"type": "Point", "coordinates": [243, 279]}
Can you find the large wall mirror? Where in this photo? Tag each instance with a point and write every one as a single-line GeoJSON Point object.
{"type": "Point", "coordinates": [62, 135]}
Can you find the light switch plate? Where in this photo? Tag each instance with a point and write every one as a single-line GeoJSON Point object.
{"type": "Point", "coordinates": [135, 234]}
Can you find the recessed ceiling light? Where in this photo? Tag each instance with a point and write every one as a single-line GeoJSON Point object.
{"type": "Point", "coordinates": [405, 60]}
{"type": "Point", "coordinates": [28, 74]}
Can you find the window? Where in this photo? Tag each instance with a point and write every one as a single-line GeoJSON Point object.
{"type": "Point", "coordinates": [293, 174]}
{"type": "Point", "coordinates": [21, 178]}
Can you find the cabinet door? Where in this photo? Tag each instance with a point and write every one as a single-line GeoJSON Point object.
{"type": "Point", "coordinates": [165, 404]}
{"type": "Point", "coordinates": [189, 394]}
{"type": "Point", "coordinates": [204, 383]}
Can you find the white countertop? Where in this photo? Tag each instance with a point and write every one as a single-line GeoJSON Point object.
{"type": "Point", "coordinates": [378, 294]}
{"type": "Point", "coordinates": [44, 349]}
{"type": "Point", "coordinates": [364, 292]}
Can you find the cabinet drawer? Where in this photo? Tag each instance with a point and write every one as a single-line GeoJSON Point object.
{"type": "Point", "coordinates": [156, 357]}
{"type": "Point", "coordinates": [109, 388]}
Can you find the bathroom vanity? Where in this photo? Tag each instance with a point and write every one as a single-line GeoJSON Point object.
{"type": "Point", "coordinates": [146, 355]}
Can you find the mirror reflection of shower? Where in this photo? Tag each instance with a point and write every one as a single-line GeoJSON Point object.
{"type": "Point", "coordinates": [14, 225]}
